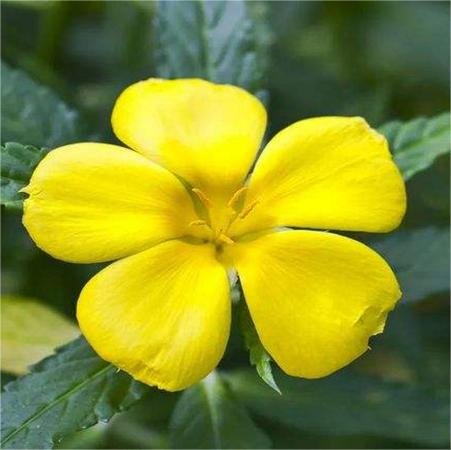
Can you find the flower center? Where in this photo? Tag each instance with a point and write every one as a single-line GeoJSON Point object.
{"type": "Point", "coordinates": [216, 218]}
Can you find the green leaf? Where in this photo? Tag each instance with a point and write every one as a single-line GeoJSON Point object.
{"type": "Point", "coordinates": [420, 259]}
{"type": "Point", "coordinates": [207, 416]}
{"type": "Point", "coordinates": [66, 392]}
{"type": "Point", "coordinates": [428, 196]}
{"type": "Point", "coordinates": [221, 41]}
{"type": "Point", "coordinates": [30, 331]}
{"type": "Point", "coordinates": [18, 163]}
{"type": "Point", "coordinates": [257, 354]}
{"type": "Point", "coordinates": [417, 143]}
{"type": "Point", "coordinates": [347, 405]}
{"type": "Point", "coordinates": [33, 114]}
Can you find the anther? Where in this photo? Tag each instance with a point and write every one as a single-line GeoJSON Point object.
{"type": "Point", "coordinates": [197, 223]}
{"type": "Point", "coordinates": [202, 197]}
{"type": "Point", "coordinates": [223, 238]}
{"type": "Point", "coordinates": [236, 197]}
{"type": "Point", "coordinates": [247, 210]}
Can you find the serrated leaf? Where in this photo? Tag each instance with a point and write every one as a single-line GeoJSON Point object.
{"type": "Point", "coordinates": [257, 354]}
{"type": "Point", "coordinates": [214, 40]}
{"type": "Point", "coordinates": [18, 163]}
{"type": "Point", "coordinates": [66, 392]}
{"type": "Point", "coordinates": [30, 331]}
{"type": "Point", "coordinates": [33, 114]}
{"type": "Point", "coordinates": [349, 405]}
{"type": "Point", "coordinates": [417, 143]}
{"type": "Point", "coordinates": [420, 259]}
{"type": "Point", "coordinates": [207, 416]}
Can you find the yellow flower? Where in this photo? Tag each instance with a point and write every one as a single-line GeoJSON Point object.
{"type": "Point", "coordinates": [179, 213]}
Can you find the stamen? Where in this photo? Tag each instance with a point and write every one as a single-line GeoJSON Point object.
{"type": "Point", "coordinates": [223, 238]}
{"type": "Point", "coordinates": [247, 210]}
{"type": "Point", "coordinates": [203, 198]}
{"type": "Point", "coordinates": [236, 197]}
{"type": "Point", "coordinates": [197, 223]}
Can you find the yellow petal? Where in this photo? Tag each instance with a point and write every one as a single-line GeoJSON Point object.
{"type": "Point", "coordinates": [329, 173]}
{"type": "Point", "coordinates": [315, 297]}
{"type": "Point", "coordinates": [207, 134]}
{"type": "Point", "coordinates": [163, 315]}
{"type": "Point", "coordinates": [96, 202]}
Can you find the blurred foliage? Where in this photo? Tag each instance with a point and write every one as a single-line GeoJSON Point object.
{"type": "Point", "coordinates": [381, 60]}
{"type": "Point", "coordinates": [420, 260]}
{"type": "Point", "coordinates": [360, 406]}
{"type": "Point", "coordinates": [384, 61]}
{"type": "Point", "coordinates": [30, 332]}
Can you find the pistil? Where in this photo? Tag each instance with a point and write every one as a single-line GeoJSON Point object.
{"type": "Point", "coordinates": [219, 218]}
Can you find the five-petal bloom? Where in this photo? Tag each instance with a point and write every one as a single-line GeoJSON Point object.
{"type": "Point", "coordinates": [179, 212]}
